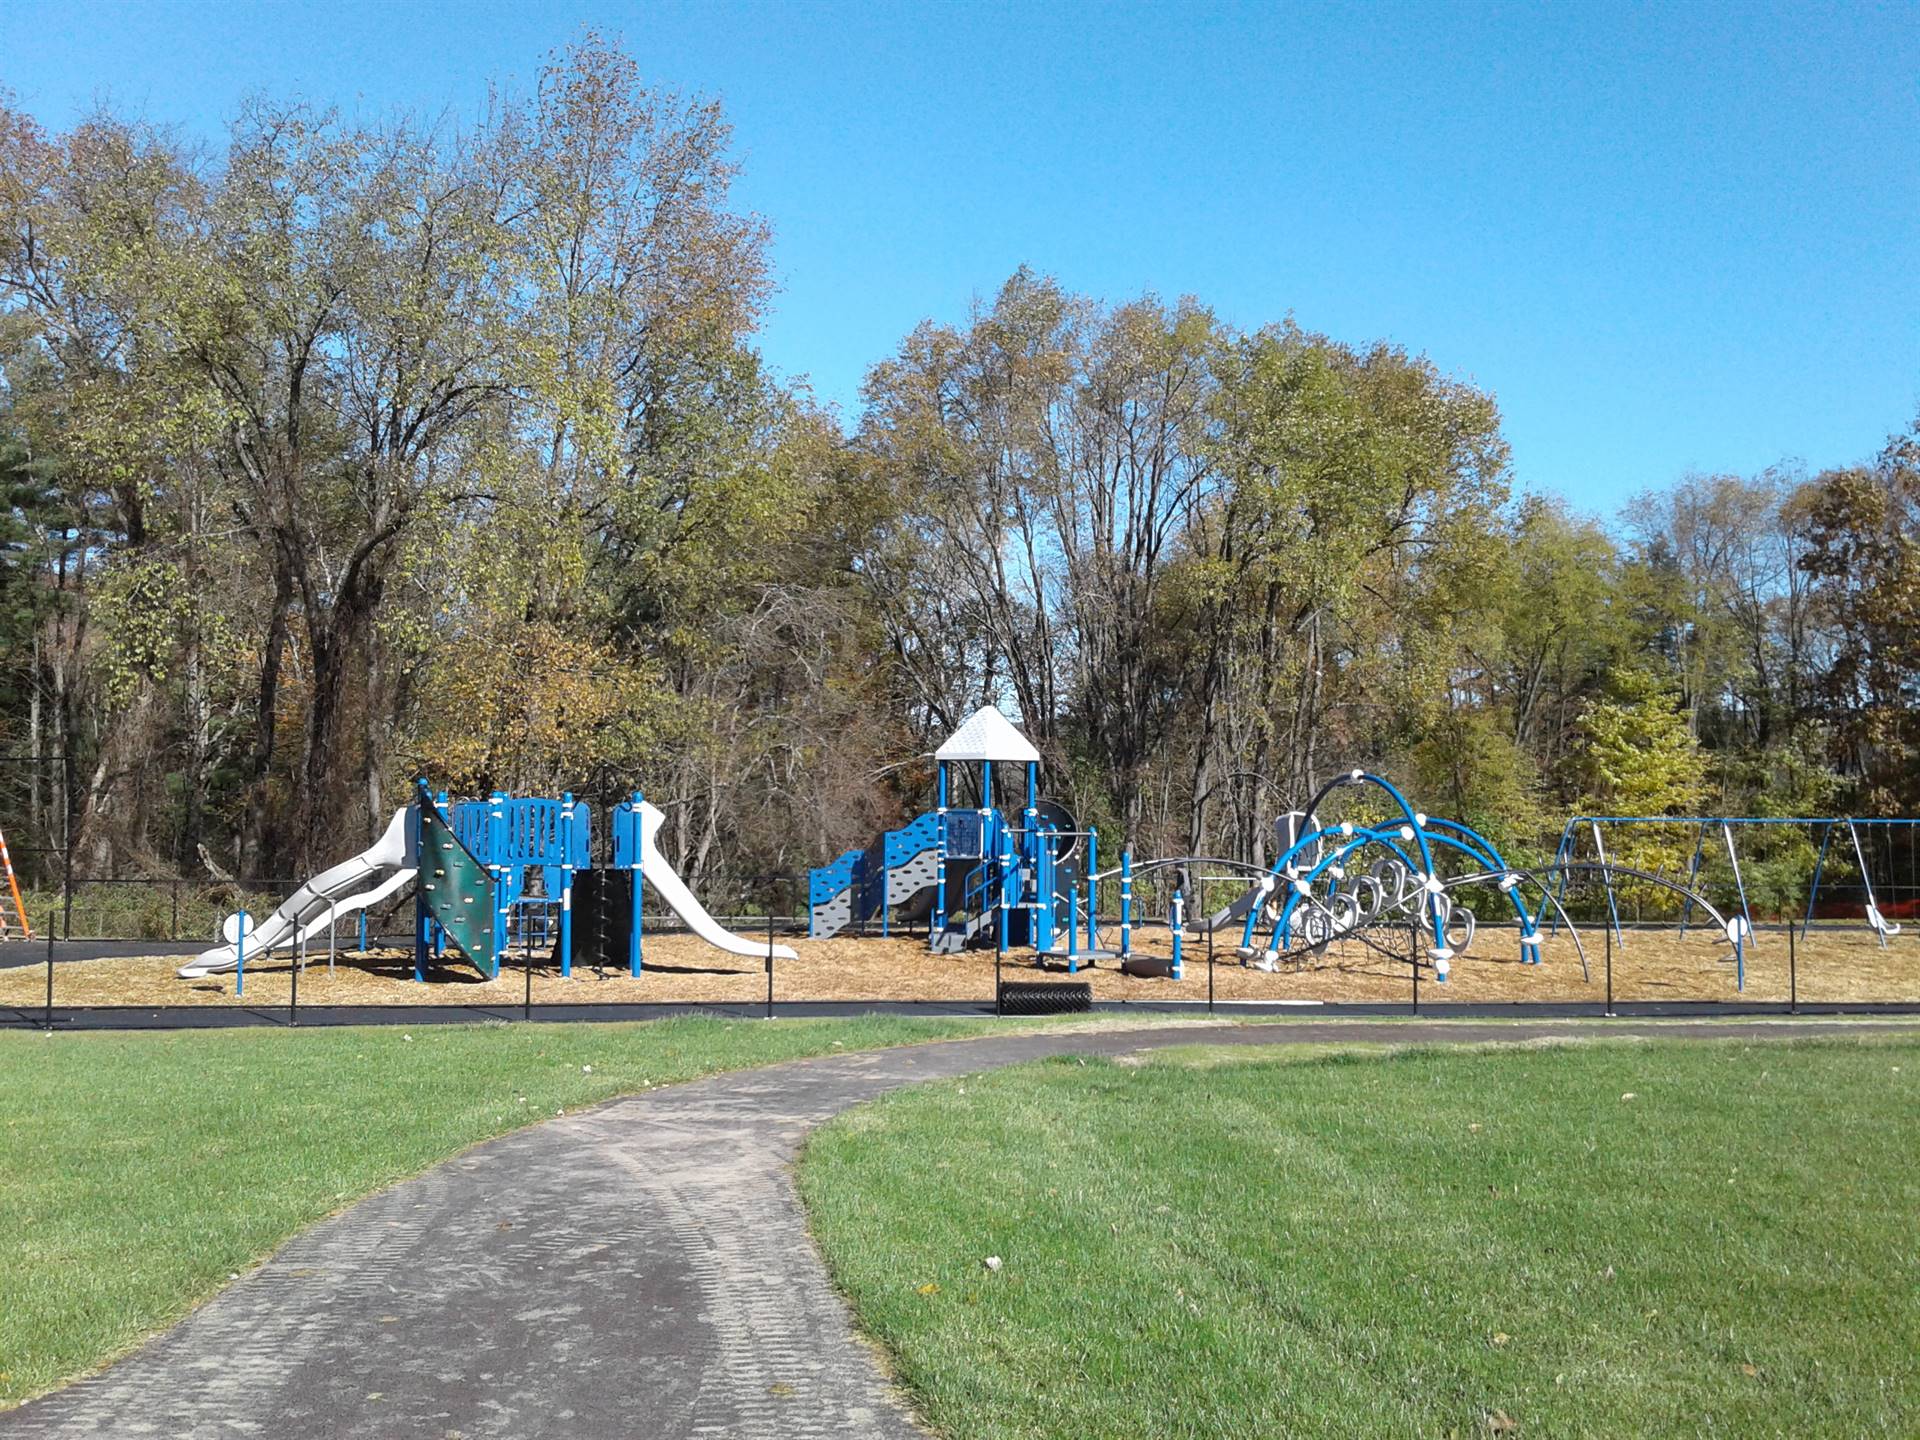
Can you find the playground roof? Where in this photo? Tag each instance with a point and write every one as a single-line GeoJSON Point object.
{"type": "Point", "coordinates": [988, 735]}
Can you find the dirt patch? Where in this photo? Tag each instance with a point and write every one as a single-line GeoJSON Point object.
{"type": "Point", "coordinates": [1833, 964]}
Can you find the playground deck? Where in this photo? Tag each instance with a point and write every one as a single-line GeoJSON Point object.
{"type": "Point", "coordinates": [1833, 965]}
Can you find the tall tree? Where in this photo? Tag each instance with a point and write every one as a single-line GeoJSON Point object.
{"type": "Point", "coordinates": [1863, 552]}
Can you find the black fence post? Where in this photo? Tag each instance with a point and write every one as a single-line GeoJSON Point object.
{"type": "Point", "coordinates": [1609, 933]}
{"type": "Point", "coordinates": [526, 967]}
{"type": "Point", "coordinates": [1793, 975]}
{"type": "Point", "coordinates": [769, 957]}
{"type": "Point", "coordinates": [49, 972]}
{"type": "Point", "coordinates": [1413, 959]}
{"type": "Point", "coordinates": [66, 869]}
{"type": "Point", "coordinates": [299, 964]}
{"type": "Point", "coordinates": [999, 954]}
{"type": "Point", "coordinates": [1209, 969]}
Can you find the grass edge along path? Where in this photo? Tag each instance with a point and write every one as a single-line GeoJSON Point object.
{"type": "Point", "coordinates": [142, 1172]}
{"type": "Point", "coordinates": [1645, 1238]}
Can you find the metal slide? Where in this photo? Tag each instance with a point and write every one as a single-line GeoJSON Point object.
{"type": "Point", "coordinates": [672, 889]}
{"type": "Point", "coordinates": [356, 884]}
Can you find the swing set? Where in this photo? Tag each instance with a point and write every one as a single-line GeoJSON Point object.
{"type": "Point", "coordinates": [1716, 832]}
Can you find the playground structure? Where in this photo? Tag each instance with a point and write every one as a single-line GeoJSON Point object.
{"type": "Point", "coordinates": [1031, 879]}
{"type": "Point", "coordinates": [972, 874]}
{"type": "Point", "coordinates": [487, 875]}
{"type": "Point", "coordinates": [995, 865]}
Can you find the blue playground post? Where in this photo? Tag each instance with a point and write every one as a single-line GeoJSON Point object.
{"type": "Point", "coordinates": [569, 818]}
{"type": "Point", "coordinates": [363, 930]}
{"type": "Point", "coordinates": [1178, 919]}
{"type": "Point", "coordinates": [1032, 844]}
{"type": "Point", "coordinates": [1093, 891]}
{"type": "Point", "coordinates": [940, 853]}
{"type": "Point", "coordinates": [494, 840]}
{"type": "Point", "coordinates": [419, 888]}
{"type": "Point", "coordinates": [439, 930]}
{"type": "Point", "coordinates": [1073, 929]}
{"type": "Point", "coordinates": [1126, 903]}
{"type": "Point", "coordinates": [633, 935]}
{"type": "Point", "coordinates": [1008, 876]}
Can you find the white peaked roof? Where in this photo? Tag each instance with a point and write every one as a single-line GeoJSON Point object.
{"type": "Point", "coordinates": [988, 735]}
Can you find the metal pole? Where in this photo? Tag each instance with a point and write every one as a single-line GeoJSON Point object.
{"type": "Point", "coordinates": [526, 965]}
{"type": "Point", "coordinates": [1413, 959]}
{"type": "Point", "coordinates": [769, 959]}
{"type": "Point", "coordinates": [49, 972]}
{"type": "Point", "coordinates": [1693, 876]}
{"type": "Point", "coordinates": [1073, 928]}
{"type": "Point", "coordinates": [999, 954]}
{"type": "Point", "coordinates": [1209, 970]}
{"type": "Point", "coordinates": [1746, 912]}
{"type": "Point", "coordinates": [66, 875]}
{"type": "Point", "coordinates": [1606, 878]}
{"type": "Point", "coordinates": [1793, 975]}
{"type": "Point", "coordinates": [1093, 893]}
{"type": "Point", "coordinates": [1609, 972]}
{"type": "Point", "coordinates": [1178, 921]}
{"type": "Point", "coordinates": [293, 1002]}
{"type": "Point", "coordinates": [1826, 834]}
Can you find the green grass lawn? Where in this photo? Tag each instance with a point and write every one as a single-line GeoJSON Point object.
{"type": "Point", "coordinates": [137, 1172]}
{"type": "Point", "coordinates": [1607, 1239]}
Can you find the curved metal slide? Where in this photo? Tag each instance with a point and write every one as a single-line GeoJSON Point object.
{"type": "Point", "coordinates": [671, 888]}
{"type": "Point", "coordinates": [352, 885]}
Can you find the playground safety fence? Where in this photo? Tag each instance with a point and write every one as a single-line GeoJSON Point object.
{"type": "Point", "coordinates": [179, 910]}
{"type": "Point", "coordinates": [1786, 967]}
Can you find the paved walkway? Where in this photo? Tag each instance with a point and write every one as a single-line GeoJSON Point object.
{"type": "Point", "coordinates": [641, 1269]}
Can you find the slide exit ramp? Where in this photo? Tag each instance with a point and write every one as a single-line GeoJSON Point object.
{"type": "Point", "coordinates": [355, 884]}
{"type": "Point", "coordinates": [636, 827]}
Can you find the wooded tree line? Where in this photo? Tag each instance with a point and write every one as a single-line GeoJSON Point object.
{"type": "Point", "coordinates": [364, 450]}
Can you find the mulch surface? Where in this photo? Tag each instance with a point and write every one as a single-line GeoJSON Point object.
{"type": "Point", "coordinates": [1834, 964]}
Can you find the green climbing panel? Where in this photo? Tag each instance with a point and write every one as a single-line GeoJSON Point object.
{"type": "Point", "coordinates": [458, 891]}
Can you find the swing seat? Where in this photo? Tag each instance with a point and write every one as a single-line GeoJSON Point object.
{"type": "Point", "coordinates": [1882, 926]}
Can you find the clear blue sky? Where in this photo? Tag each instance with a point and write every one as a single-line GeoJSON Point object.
{"type": "Point", "coordinates": [1667, 237]}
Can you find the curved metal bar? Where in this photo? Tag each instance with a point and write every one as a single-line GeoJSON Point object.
{"type": "Point", "coordinates": [1366, 777]}
{"type": "Point", "coordinates": [1353, 841]}
{"type": "Point", "coordinates": [1609, 871]}
{"type": "Point", "coordinates": [1531, 924]}
{"type": "Point", "coordinates": [1146, 866]}
{"type": "Point", "coordinates": [1490, 857]}
{"type": "Point", "coordinates": [1361, 837]}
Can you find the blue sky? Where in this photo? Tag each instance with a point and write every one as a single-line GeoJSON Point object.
{"type": "Point", "coordinates": [1668, 238]}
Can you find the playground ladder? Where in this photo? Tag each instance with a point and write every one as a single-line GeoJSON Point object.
{"type": "Point", "coordinates": [13, 892]}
